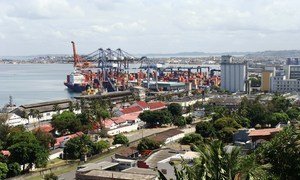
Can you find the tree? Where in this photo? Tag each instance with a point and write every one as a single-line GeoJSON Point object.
{"type": "Point", "coordinates": [66, 122]}
{"type": "Point", "coordinates": [179, 121]}
{"type": "Point", "coordinates": [205, 129]}
{"type": "Point", "coordinates": [45, 139]}
{"type": "Point", "coordinates": [14, 169]}
{"type": "Point", "coordinates": [71, 106]}
{"type": "Point", "coordinates": [192, 138]}
{"type": "Point", "coordinates": [189, 119]}
{"type": "Point", "coordinates": [293, 113]}
{"type": "Point", "coordinates": [175, 109]}
{"type": "Point", "coordinates": [226, 122]}
{"type": "Point", "coordinates": [282, 152]}
{"type": "Point", "coordinates": [80, 146]}
{"type": "Point", "coordinates": [147, 144]}
{"type": "Point", "coordinates": [26, 149]}
{"type": "Point", "coordinates": [156, 118]}
{"type": "Point", "coordinates": [276, 118]}
{"type": "Point", "coordinates": [3, 170]}
{"type": "Point", "coordinates": [102, 145]}
{"type": "Point", "coordinates": [120, 139]}
{"type": "Point", "coordinates": [99, 108]}
{"type": "Point", "coordinates": [279, 103]}
{"type": "Point", "coordinates": [219, 164]}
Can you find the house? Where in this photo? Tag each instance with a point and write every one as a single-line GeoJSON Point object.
{"type": "Point", "coordinates": [259, 136]}
{"type": "Point", "coordinates": [168, 136]}
{"type": "Point", "coordinates": [47, 128]}
{"type": "Point", "coordinates": [104, 165]}
{"type": "Point", "coordinates": [110, 175]}
{"type": "Point", "coordinates": [124, 163]}
{"type": "Point", "coordinates": [15, 120]}
{"type": "Point", "coordinates": [166, 166]}
{"type": "Point", "coordinates": [61, 141]}
{"type": "Point", "coordinates": [128, 153]}
{"type": "Point", "coordinates": [141, 106]}
{"type": "Point", "coordinates": [125, 123]}
{"type": "Point", "coordinates": [156, 105]}
{"type": "Point", "coordinates": [45, 109]}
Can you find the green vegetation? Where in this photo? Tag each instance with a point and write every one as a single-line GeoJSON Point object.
{"type": "Point", "coordinates": [83, 146]}
{"type": "Point", "coordinates": [147, 144]}
{"type": "Point", "coordinates": [50, 176]}
{"type": "Point", "coordinates": [192, 138]}
{"type": "Point", "coordinates": [156, 118]}
{"type": "Point", "coordinates": [175, 109]}
{"type": "Point", "coordinates": [120, 139]}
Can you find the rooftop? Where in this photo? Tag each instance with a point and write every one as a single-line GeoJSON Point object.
{"type": "Point", "coordinates": [162, 154]}
{"type": "Point", "coordinates": [136, 170]}
{"type": "Point", "coordinates": [163, 136]}
{"type": "Point", "coordinates": [264, 132]}
{"type": "Point", "coordinates": [117, 175]}
{"type": "Point", "coordinates": [96, 166]}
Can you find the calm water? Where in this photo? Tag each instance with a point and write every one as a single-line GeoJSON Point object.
{"type": "Point", "coordinates": [30, 83]}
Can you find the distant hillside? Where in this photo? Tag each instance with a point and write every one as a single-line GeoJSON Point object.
{"type": "Point", "coordinates": [193, 54]}
{"type": "Point", "coordinates": [282, 53]}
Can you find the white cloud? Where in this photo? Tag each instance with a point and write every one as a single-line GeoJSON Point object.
{"type": "Point", "coordinates": [142, 26]}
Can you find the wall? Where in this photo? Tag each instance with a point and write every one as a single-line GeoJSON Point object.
{"type": "Point", "coordinates": [123, 129]}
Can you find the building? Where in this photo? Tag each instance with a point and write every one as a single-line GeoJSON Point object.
{"type": "Point", "coordinates": [266, 75]}
{"type": "Point", "coordinates": [293, 71]}
{"type": "Point", "coordinates": [233, 75]}
{"type": "Point", "coordinates": [113, 175]}
{"type": "Point", "coordinates": [281, 84]}
{"type": "Point", "coordinates": [168, 136]}
{"type": "Point", "coordinates": [25, 114]}
{"type": "Point", "coordinates": [261, 135]}
{"type": "Point", "coordinates": [166, 166]}
{"type": "Point", "coordinates": [292, 61]}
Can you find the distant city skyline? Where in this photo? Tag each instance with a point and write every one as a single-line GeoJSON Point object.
{"type": "Point", "coordinates": [33, 27]}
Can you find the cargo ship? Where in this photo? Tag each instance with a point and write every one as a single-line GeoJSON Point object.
{"type": "Point", "coordinates": [76, 82]}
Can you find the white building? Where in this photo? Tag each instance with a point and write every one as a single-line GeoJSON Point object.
{"type": "Point", "coordinates": [281, 84]}
{"type": "Point", "coordinates": [27, 114]}
{"type": "Point", "coordinates": [233, 75]}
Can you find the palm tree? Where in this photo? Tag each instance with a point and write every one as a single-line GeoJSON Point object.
{"type": "Point", "coordinates": [71, 106]}
{"type": "Point", "coordinates": [56, 108]}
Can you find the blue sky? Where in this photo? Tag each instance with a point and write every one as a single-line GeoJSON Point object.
{"type": "Point", "coordinates": [30, 27]}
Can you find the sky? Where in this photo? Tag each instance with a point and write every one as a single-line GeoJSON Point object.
{"type": "Point", "coordinates": [33, 27]}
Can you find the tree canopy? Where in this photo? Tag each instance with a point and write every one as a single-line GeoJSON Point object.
{"type": "Point", "coordinates": [175, 109]}
{"type": "Point", "coordinates": [66, 122]}
{"type": "Point", "coordinates": [120, 139]}
{"type": "Point", "coordinates": [147, 144]}
{"type": "Point", "coordinates": [156, 118]}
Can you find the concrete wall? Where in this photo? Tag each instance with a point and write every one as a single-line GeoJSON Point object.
{"type": "Point", "coordinates": [233, 77]}
{"type": "Point", "coordinates": [122, 129]}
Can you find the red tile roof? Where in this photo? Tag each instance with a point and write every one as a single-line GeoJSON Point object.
{"type": "Point", "coordinates": [156, 105]}
{"type": "Point", "coordinates": [5, 152]}
{"type": "Point", "coordinates": [61, 139]}
{"type": "Point", "coordinates": [107, 123]}
{"type": "Point", "coordinates": [264, 132]}
{"type": "Point", "coordinates": [45, 128]}
{"type": "Point", "coordinates": [142, 104]}
{"type": "Point", "coordinates": [132, 109]}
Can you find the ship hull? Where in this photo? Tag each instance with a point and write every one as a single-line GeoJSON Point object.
{"type": "Point", "coordinates": [75, 87]}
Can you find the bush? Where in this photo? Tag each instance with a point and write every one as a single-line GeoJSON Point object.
{"type": "Point", "coordinates": [193, 138]}
{"type": "Point", "coordinates": [120, 139]}
{"type": "Point", "coordinates": [50, 176]}
{"type": "Point", "coordinates": [189, 120]}
{"type": "Point", "coordinates": [205, 129]}
{"type": "Point", "coordinates": [179, 121]}
{"type": "Point", "coordinates": [148, 144]}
